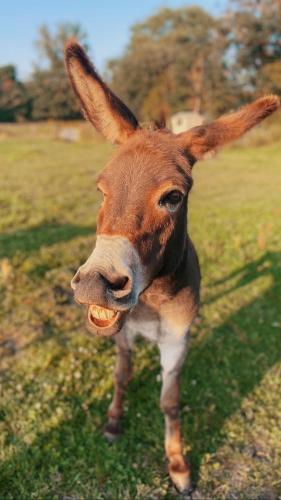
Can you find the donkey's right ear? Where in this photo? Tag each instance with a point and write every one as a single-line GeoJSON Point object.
{"type": "Point", "coordinates": [101, 107]}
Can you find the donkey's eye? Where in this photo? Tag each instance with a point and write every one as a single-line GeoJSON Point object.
{"type": "Point", "coordinates": [171, 200]}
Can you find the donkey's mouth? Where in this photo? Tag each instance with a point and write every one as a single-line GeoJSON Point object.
{"type": "Point", "coordinates": [102, 317]}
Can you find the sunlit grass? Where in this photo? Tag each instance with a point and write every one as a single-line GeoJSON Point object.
{"type": "Point", "coordinates": [56, 381]}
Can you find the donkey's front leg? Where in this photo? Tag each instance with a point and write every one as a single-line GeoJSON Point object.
{"type": "Point", "coordinates": [172, 357]}
{"type": "Point", "coordinates": [123, 371]}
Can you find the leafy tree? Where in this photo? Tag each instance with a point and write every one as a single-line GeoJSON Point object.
{"type": "Point", "coordinates": [52, 96]}
{"type": "Point", "coordinates": [270, 77]}
{"type": "Point", "coordinates": [174, 60]}
{"type": "Point", "coordinates": [256, 38]}
{"type": "Point", "coordinates": [14, 99]}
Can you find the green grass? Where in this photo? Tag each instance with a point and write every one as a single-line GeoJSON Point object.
{"type": "Point", "coordinates": [56, 381]}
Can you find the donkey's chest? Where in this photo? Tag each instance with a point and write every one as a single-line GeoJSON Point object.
{"type": "Point", "coordinates": [151, 325]}
{"type": "Point", "coordinates": [150, 328]}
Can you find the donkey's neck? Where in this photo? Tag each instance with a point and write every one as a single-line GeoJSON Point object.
{"type": "Point", "coordinates": [185, 275]}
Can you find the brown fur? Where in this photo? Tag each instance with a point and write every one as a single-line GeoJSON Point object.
{"type": "Point", "coordinates": [135, 166]}
{"type": "Point", "coordinates": [123, 372]}
{"type": "Point", "coordinates": [147, 165]}
{"type": "Point", "coordinates": [101, 107]}
{"type": "Point", "coordinates": [207, 138]}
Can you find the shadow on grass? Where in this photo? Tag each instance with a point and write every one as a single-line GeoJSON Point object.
{"type": "Point", "coordinates": [226, 365]}
{"type": "Point", "coordinates": [233, 358]}
{"type": "Point", "coordinates": [32, 239]}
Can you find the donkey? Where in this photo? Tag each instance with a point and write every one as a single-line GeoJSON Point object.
{"type": "Point", "coordinates": [143, 276]}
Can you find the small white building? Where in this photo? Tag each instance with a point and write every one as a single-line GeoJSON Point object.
{"type": "Point", "coordinates": [184, 120]}
{"type": "Point", "coordinates": [69, 134]}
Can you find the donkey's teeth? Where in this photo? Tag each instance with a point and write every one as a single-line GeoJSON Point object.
{"type": "Point", "coordinates": [102, 316]}
{"type": "Point", "coordinates": [102, 312]}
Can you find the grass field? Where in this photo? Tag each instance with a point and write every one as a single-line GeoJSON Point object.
{"type": "Point", "coordinates": [56, 380]}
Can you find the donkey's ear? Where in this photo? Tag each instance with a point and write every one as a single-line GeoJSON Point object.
{"type": "Point", "coordinates": [203, 141]}
{"type": "Point", "coordinates": [100, 106]}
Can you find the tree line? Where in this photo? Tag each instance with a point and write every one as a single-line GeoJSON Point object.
{"type": "Point", "coordinates": [176, 59]}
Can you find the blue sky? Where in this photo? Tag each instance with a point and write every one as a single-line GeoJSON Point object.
{"type": "Point", "coordinates": [106, 22]}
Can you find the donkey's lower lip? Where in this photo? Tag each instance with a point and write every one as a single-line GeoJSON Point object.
{"type": "Point", "coordinates": [102, 317]}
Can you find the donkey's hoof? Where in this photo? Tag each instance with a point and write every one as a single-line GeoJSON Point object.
{"type": "Point", "coordinates": [111, 438]}
{"type": "Point", "coordinates": [112, 431]}
{"type": "Point", "coordinates": [180, 477]}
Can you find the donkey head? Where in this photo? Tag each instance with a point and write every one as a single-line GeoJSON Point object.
{"type": "Point", "coordinates": [141, 226]}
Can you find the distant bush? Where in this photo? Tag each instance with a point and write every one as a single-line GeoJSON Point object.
{"type": "Point", "coordinates": [15, 103]}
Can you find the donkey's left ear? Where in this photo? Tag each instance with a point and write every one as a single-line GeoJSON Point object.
{"type": "Point", "coordinates": [203, 141]}
{"type": "Point", "coordinates": [101, 107]}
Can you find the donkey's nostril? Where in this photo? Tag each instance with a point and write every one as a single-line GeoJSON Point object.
{"type": "Point", "coordinates": [119, 285]}
{"type": "Point", "coordinates": [75, 280]}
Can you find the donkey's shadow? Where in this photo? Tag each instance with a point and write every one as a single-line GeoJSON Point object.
{"type": "Point", "coordinates": [233, 358]}
{"type": "Point", "coordinates": [220, 371]}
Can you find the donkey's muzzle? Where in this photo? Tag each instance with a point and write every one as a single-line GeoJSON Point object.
{"type": "Point", "coordinates": [105, 298]}
{"type": "Point", "coordinates": [101, 288]}
{"type": "Point", "coordinates": [109, 283]}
